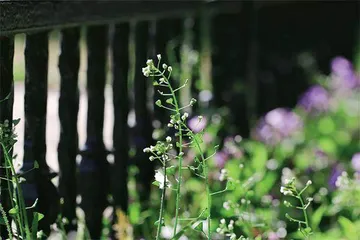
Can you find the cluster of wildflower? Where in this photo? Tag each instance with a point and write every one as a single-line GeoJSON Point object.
{"type": "Point", "coordinates": [223, 174]}
{"type": "Point", "coordinates": [7, 132]}
{"type": "Point", "coordinates": [277, 126]}
{"type": "Point", "coordinates": [227, 229]}
{"type": "Point", "coordinates": [289, 189]}
{"type": "Point", "coordinates": [347, 195]}
{"type": "Point", "coordinates": [160, 151]}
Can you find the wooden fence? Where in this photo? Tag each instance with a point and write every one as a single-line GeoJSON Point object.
{"type": "Point", "coordinates": [254, 44]}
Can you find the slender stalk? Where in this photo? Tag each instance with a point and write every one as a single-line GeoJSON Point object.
{"type": "Point", "coordinates": [20, 197]}
{"type": "Point", "coordinates": [206, 173]}
{"type": "Point", "coordinates": [6, 221]}
{"type": "Point", "coordinates": [304, 211]}
{"type": "Point", "coordinates": [18, 219]}
{"type": "Point", "coordinates": [178, 188]}
{"type": "Point", "coordinates": [158, 232]}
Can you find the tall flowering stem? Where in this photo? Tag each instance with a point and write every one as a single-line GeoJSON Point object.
{"type": "Point", "coordinates": [161, 151]}
{"type": "Point", "coordinates": [289, 189]}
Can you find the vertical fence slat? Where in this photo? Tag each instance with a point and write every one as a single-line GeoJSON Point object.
{"type": "Point", "coordinates": [251, 44]}
{"type": "Point", "coordinates": [94, 177]}
{"type": "Point", "coordinates": [120, 68]}
{"type": "Point", "coordinates": [167, 43]}
{"type": "Point", "coordinates": [6, 110]}
{"type": "Point", "coordinates": [228, 70]}
{"type": "Point", "coordinates": [38, 184]}
{"type": "Point", "coordinates": [143, 128]}
{"type": "Point", "coordinates": [195, 73]}
{"type": "Point", "coordinates": [69, 63]}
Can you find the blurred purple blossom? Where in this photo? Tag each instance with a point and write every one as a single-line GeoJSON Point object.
{"type": "Point", "coordinates": [355, 162]}
{"type": "Point", "coordinates": [315, 99]}
{"type": "Point", "coordinates": [277, 125]}
{"type": "Point", "coordinates": [231, 147]}
{"type": "Point", "coordinates": [196, 124]}
{"type": "Point", "coordinates": [335, 173]}
{"type": "Point", "coordinates": [343, 73]}
{"type": "Point", "coordinates": [220, 159]}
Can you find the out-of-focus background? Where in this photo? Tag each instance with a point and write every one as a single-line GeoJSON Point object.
{"type": "Point", "coordinates": [279, 92]}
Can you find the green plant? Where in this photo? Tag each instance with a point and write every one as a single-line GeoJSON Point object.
{"type": "Point", "coordinates": [289, 189]}
{"type": "Point", "coordinates": [18, 211]}
{"type": "Point", "coordinates": [164, 151]}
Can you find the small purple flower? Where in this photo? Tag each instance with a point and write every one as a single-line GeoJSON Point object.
{"type": "Point", "coordinates": [197, 124]}
{"type": "Point", "coordinates": [335, 173]}
{"type": "Point", "coordinates": [315, 99]}
{"type": "Point", "coordinates": [343, 73]}
{"type": "Point", "coordinates": [231, 148]}
{"type": "Point", "coordinates": [355, 162]}
{"type": "Point", "coordinates": [220, 159]}
{"type": "Point", "coordinates": [277, 125]}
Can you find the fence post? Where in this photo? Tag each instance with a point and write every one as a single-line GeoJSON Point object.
{"type": "Point", "coordinates": [120, 70]}
{"type": "Point", "coordinates": [167, 43]}
{"type": "Point", "coordinates": [228, 61]}
{"type": "Point", "coordinates": [6, 109]}
{"type": "Point", "coordinates": [143, 128]}
{"type": "Point", "coordinates": [94, 169]}
{"type": "Point", "coordinates": [38, 181]}
{"type": "Point", "coordinates": [69, 62]}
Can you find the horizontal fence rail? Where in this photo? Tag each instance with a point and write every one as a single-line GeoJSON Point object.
{"type": "Point", "coordinates": [25, 16]}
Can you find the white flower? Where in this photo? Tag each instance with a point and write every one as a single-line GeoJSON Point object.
{"type": "Point", "coordinates": [226, 205]}
{"type": "Point", "coordinates": [222, 221]}
{"type": "Point", "coordinates": [146, 71]}
{"type": "Point", "coordinates": [223, 174]}
{"type": "Point", "coordinates": [164, 66]}
{"type": "Point", "coordinates": [151, 158]}
{"type": "Point", "coordinates": [159, 177]}
{"type": "Point", "coordinates": [149, 62]}
{"type": "Point", "coordinates": [184, 116]}
{"type": "Point", "coordinates": [170, 125]}
{"type": "Point", "coordinates": [192, 101]}
{"type": "Point", "coordinates": [169, 68]}
{"type": "Point", "coordinates": [168, 139]}
{"type": "Point", "coordinates": [146, 150]}
{"type": "Point", "coordinates": [158, 57]}
{"type": "Point", "coordinates": [309, 183]}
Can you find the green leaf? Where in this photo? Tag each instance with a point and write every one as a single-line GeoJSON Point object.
{"type": "Point", "coordinates": [2, 221]}
{"type": "Point", "coordinates": [171, 170]}
{"type": "Point", "coordinates": [317, 216]}
{"type": "Point", "coordinates": [157, 222]}
{"type": "Point", "coordinates": [266, 184]}
{"type": "Point", "coordinates": [326, 125]}
{"type": "Point", "coordinates": [35, 224]}
{"type": "Point", "coordinates": [198, 226]}
{"type": "Point", "coordinates": [308, 230]}
{"type": "Point", "coordinates": [156, 183]}
{"type": "Point", "coordinates": [348, 228]}
{"type": "Point", "coordinates": [36, 165]}
{"type": "Point", "coordinates": [158, 103]}
{"type": "Point", "coordinates": [13, 211]}
{"type": "Point", "coordinates": [259, 156]}
{"type": "Point", "coordinates": [16, 121]}
{"type": "Point", "coordinates": [230, 185]}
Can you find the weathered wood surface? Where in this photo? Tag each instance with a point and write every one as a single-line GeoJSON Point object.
{"type": "Point", "coordinates": [24, 16]}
